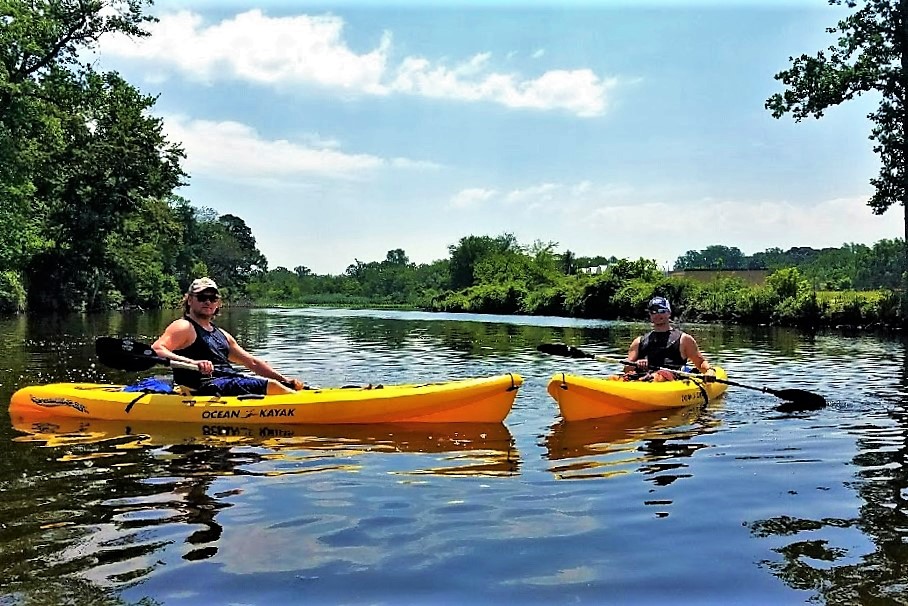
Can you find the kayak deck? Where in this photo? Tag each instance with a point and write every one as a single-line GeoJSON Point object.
{"type": "Point", "coordinates": [589, 398]}
{"type": "Point", "coordinates": [479, 400]}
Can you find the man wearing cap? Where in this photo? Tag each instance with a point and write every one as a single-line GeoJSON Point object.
{"type": "Point", "coordinates": [665, 347]}
{"type": "Point", "coordinates": [195, 339]}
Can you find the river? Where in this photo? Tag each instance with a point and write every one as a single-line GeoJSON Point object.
{"type": "Point", "coordinates": [736, 503]}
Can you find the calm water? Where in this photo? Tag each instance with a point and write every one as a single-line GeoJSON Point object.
{"type": "Point", "coordinates": [735, 504]}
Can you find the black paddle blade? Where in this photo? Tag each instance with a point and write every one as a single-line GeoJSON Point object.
{"type": "Point", "coordinates": [799, 400]}
{"type": "Point", "coordinates": [125, 354]}
{"type": "Point", "coordinates": [560, 349]}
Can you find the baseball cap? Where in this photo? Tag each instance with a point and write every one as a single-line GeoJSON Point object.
{"type": "Point", "coordinates": [659, 305]}
{"type": "Point", "coordinates": [201, 284]}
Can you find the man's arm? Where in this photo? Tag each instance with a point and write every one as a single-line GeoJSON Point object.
{"type": "Point", "coordinates": [691, 351]}
{"type": "Point", "coordinates": [633, 353]}
{"type": "Point", "coordinates": [179, 335]}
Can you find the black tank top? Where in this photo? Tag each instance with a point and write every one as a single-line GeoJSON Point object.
{"type": "Point", "coordinates": [207, 345]}
{"type": "Point", "coordinates": [662, 349]}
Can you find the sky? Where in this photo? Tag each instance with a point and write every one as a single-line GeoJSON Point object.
{"type": "Point", "coordinates": [339, 131]}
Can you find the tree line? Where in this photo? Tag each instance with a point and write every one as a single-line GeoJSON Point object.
{"type": "Point", "coordinates": [485, 274]}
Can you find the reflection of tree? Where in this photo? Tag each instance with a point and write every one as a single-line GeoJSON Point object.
{"type": "Point", "coordinates": [878, 577]}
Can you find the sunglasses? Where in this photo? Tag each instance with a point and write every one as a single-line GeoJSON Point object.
{"type": "Point", "coordinates": [202, 298]}
{"type": "Point", "coordinates": [658, 310]}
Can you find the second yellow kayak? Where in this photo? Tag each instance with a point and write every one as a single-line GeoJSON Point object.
{"type": "Point", "coordinates": [589, 398]}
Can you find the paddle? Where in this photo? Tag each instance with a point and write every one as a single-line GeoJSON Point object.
{"type": "Point", "coordinates": [798, 399]}
{"type": "Point", "coordinates": [128, 354]}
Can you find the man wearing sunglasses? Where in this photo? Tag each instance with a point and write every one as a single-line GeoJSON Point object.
{"type": "Point", "coordinates": [665, 347]}
{"type": "Point", "coordinates": [195, 339]}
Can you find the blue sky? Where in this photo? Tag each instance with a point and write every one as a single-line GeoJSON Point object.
{"type": "Point", "coordinates": [339, 131]}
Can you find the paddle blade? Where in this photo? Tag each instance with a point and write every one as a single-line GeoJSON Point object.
{"type": "Point", "coordinates": [125, 354]}
{"type": "Point", "coordinates": [560, 349]}
{"type": "Point", "coordinates": [799, 400]}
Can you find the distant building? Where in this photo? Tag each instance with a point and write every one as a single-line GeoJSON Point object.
{"type": "Point", "coordinates": [594, 270]}
{"type": "Point", "coordinates": [753, 277]}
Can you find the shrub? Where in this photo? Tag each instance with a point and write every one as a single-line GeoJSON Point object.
{"type": "Point", "coordinates": [12, 293]}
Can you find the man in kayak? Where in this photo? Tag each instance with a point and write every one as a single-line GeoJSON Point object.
{"type": "Point", "coordinates": [664, 348]}
{"type": "Point", "coordinates": [195, 339]}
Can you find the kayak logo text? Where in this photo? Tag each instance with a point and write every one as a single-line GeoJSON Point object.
{"type": "Point", "coordinates": [235, 414]}
{"type": "Point", "coordinates": [55, 402]}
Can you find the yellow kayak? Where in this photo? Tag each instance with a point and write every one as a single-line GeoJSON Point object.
{"type": "Point", "coordinates": [589, 398]}
{"type": "Point", "coordinates": [481, 400]}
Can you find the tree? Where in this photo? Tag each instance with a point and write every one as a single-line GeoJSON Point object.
{"type": "Point", "coordinates": [712, 257]}
{"type": "Point", "coordinates": [568, 263]}
{"type": "Point", "coordinates": [80, 153]}
{"type": "Point", "coordinates": [871, 55]}
{"type": "Point", "coordinates": [472, 249]}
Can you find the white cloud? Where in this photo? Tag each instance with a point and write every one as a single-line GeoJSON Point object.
{"type": "Point", "coordinates": [283, 52]}
{"type": "Point", "coordinates": [633, 221]}
{"type": "Point", "coordinates": [538, 53]}
{"type": "Point", "coordinates": [471, 197]}
{"type": "Point", "coordinates": [254, 47]}
{"type": "Point", "coordinates": [236, 151]}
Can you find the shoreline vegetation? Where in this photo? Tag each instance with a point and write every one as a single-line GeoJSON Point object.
{"type": "Point", "coordinates": [854, 286]}
{"type": "Point", "coordinates": [802, 287]}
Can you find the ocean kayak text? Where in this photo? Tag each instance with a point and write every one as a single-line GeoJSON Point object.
{"type": "Point", "coordinates": [238, 414]}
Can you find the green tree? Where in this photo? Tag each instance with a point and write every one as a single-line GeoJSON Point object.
{"type": "Point", "coordinates": [79, 152]}
{"type": "Point", "coordinates": [472, 249]}
{"type": "Point", "coordinates": [712, 257]}
{"type": "Point", "coordinates": [871, 54]}
{"type": "Point", "coordinates": [568, 263]}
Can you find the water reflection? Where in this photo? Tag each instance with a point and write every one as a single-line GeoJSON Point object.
{"type": "Point", "coordinates": [481, 449]}
{"type": "Point", "coordinates": [851, 559]}
{"type": "Point", "coordinates": [653, 444]}
{"type": "Point", "coordinates": [144, 486]}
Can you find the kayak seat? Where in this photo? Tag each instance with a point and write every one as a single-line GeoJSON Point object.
{"type": "Point", "coordinates": [152, 385]}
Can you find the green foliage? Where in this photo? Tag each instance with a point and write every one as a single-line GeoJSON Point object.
{"type": "Point", "coordinates": [787, 283]}
{"type": "Point", "coordinates": [756, 305]}
{"type": "Point", "coordinates": [487, 298]}
{"type": "Point", "coordinates": [719, 299]}
{"type": "Point", "coordinates": [712, 257]}
{"type": "Point", "coordinates": [12, 293]}
{"type": "Point", "coordinates": [470, 251]}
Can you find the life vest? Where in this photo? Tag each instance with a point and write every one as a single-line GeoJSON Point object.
{"type": "Point", "coordinates": [210, 346]}
{"type": "Point", "coordinates": [662, 349]}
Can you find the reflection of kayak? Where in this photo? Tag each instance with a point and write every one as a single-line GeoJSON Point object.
{"type": "Point", "coordinates": [417, 437]}
{"type": "Point", "coordinates": [589, 398]}
{"type": "Point", "coordinates": [570, 439]}
{"type": "Point", "coordinates": [479, 448]}
{"type": "Point", "coordinates": [485, 400]}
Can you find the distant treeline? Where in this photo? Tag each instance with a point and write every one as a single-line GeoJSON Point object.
{"type": "Point", "coordinates": [486, 274]}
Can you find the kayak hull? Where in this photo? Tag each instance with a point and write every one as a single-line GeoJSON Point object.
{"type": "Point", "coordinates": [481, 400]}
{"type": "Point", "coordinates": [581, 398]}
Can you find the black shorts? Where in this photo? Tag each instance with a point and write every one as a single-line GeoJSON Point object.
{"type": "Point", "coordinates": [233, 386]}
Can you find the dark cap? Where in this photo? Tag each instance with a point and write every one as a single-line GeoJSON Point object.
{"type": "Point", "coordinates": [659, 305]}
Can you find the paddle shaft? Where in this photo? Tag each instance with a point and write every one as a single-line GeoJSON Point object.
{"type": "Point", "coordinates": [679, 373]}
